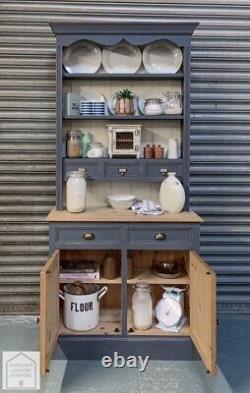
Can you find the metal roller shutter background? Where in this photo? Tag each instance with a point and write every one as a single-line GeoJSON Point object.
{"type": "Point", "coordinates": [220, 136]}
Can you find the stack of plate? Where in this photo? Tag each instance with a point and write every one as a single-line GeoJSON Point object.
{"type": "Point", "coordinates": [99, 108]}
{"type": "Point", "coordinates": [86, 108]}
{"type": "Point", "coordinates": [92, 108]}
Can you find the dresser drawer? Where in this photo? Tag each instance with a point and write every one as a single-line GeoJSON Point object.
{"type": "Point", "coordinates": [76, 236]}
{"type": "Point", "coordinates": [122, 170]}
{"type": "Point", "coordinates": [158, 170]}
{"type": "Point", "coordinates": [161, 237]}
{"type": "Point", "coordinates": [92, 167]}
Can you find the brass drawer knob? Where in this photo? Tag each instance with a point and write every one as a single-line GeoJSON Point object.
{"type": "Point", "coordinates": [122, 171]}
{"type": "Point", "coordinates": [88, 236]}
{"type": "Point", "coordinates": [163, 171]}
{"type": "Point", "coordinates": [160, 236]}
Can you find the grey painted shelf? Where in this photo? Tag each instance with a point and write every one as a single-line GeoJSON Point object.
{"type": "Point", "coordinates": [124, 169]}
{"type": "Point", "coordinates": [134, 117]}
{"type": "Point", "coordinates": [142, 76]}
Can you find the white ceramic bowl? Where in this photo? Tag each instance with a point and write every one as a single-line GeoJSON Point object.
{"type": "Point", "coordinates": [121, 201]}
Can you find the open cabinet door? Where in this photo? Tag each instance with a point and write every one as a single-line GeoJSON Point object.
{"type": "Point", "coordinates": [203, 310]}
{"type": "Point", "coordinates": [49, 309]}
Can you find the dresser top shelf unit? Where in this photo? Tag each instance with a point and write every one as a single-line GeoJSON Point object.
{"type": "Point", "coordinates": [138, 34]}
{"type": "Point", "coordinates": [102, 214]}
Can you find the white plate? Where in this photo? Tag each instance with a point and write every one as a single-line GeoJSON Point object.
{"type": "Point", "coordinates": [162, 57]}
{"type": "Point", "coordinates": [82, 57]}
{"type": "Point", "coordinates": [122, 58]}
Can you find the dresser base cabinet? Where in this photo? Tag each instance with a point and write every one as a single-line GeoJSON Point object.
{"type": "Point", "coordinates": [200, 308]}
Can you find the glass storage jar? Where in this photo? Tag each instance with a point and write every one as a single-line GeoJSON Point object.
{"type": "Point", "coordinates": [110, 270]}
{"type": "Point", "coordinates": [74, 144]}
{"type": "Point", "coordinates": [152, 106]}
{"type": "Point", "coordinates": [142, 306]}
{"type": "Point", "coordinates": [76, 191]}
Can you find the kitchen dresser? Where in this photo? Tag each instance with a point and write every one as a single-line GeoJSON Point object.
{"type": "Point", "coordinates": [75, 236]}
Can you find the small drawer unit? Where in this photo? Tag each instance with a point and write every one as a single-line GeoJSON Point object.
{"type": "Point", "coordinates": [166, 237]}
{"type": "Point", "coordinates": [79, 236]}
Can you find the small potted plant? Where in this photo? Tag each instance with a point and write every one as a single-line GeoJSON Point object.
{"type": "Point", "coordinates": [124, 102]}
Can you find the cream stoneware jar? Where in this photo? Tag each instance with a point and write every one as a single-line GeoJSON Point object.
{"type": "Point", "coordinates": [172, 194]}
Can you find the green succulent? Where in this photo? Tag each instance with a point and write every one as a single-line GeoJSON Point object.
{"type": "Point", "coordinates": [125, 93]}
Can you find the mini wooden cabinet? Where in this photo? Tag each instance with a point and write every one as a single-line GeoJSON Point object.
{"type": "Point", "coordinates": [125, 232]}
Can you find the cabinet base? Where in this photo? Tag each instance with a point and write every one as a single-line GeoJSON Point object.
{"type": "Point", "coordinates": [76, 348]}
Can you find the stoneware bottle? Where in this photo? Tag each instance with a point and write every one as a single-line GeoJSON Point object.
{"type": "Point", "coordinates": [172, 194]}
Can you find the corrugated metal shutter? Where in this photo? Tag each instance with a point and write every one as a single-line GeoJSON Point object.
{"type": "Point", "coordinates": [220, 151]}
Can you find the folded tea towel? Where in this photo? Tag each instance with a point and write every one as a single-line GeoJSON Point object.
{"type": "Point", "coordinates": [146, 207]}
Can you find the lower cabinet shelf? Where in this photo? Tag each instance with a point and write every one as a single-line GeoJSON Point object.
{"type": "Point", "coordinates": [154, 331]}
{"type": "Point", "coordinates": [110, 324]}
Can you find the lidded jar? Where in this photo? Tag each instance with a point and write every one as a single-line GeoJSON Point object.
{"type": "Point", "coordinates": [74, 144]}
{"type": "Point", "coordinates": [76, 191]}
{"type": "Point", "coordinates": [152, 106]}
{"type": "Point", "coordinates": [142, 306]}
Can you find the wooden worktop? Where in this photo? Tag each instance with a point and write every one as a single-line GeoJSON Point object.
{"type": "Point", "coordinates": [102, 214]}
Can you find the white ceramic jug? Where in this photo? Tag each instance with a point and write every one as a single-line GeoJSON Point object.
{"type": "Point", "coordinates": [172, 194]}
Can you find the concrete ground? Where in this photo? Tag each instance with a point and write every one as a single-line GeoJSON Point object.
{"type": "Point", "coordinates": [21, 334]}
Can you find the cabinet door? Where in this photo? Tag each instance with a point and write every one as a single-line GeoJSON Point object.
{"type": "Point", "coordinates": [203, 310]}
{"type": "Point", "coordinates": [49, 309]}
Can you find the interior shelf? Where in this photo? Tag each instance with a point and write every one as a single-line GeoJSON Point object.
{"type": "Point", "coordinates": [89, 281]}
{"type": "Point", "coordinates": [109, 325]}
{"type": "Point", "coordinates": [150, 278]}
{"type": "Point", "coordinates": [163, 161]}
{"type": "Point", "coordinates": [104, 75]}
{"type": "Point", "coordinates": [127, 117]}
{"type": "Point", "coordinates": [154, 331]}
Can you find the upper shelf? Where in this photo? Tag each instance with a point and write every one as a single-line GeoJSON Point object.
{"type": "Point", "coordinates": [141, 76]}
{"type": "Point", "coordinates": [120, 117]}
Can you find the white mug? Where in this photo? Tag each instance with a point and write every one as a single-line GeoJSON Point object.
{"type": "Point", "coordinates": [172, 149]}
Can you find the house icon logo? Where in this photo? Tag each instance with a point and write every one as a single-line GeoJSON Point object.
{"type": "Point", "coordinates": [21, 370]}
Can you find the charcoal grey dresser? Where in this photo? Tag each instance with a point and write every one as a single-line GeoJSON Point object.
{"type": "Point", "coordinates": [89, 234]}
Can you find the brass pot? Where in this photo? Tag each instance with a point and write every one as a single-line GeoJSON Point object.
{"type": "Point", "coordinates": [124, 106]}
